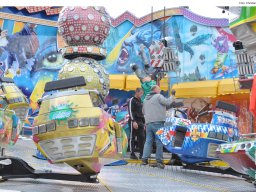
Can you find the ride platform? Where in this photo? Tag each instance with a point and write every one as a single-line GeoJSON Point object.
{"type": "Point", "coordinates": [125, 178]}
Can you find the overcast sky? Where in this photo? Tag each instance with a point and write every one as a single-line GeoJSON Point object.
{"type": "Point", "coordinates": [115, 11]}
{"type": "Point", "coordinates": [138, 7]}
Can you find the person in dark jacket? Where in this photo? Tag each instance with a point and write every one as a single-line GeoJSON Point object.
{"type": "Point", "coordinates": [136, 123]}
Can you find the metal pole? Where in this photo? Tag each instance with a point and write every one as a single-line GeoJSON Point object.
{"type": "Point", "coordinates": [152, 24]}
{"type": "Point", "coordinates": [164, 24]}
{"type": "Point", "coordinates": [168, 74]}
{"type": "Point", "coordinates": [169, 84]}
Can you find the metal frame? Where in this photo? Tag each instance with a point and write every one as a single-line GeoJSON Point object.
{"type": "Point", "coordinates": [215, 170]}
{"type": "Point", "coordinates": [20, 169]}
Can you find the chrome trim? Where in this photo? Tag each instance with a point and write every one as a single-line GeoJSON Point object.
{"type": "Point", "coordinates": [63, 148]}
{"type": "Point", "coordinates": [65, 93]}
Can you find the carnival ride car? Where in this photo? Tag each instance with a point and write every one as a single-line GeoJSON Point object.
{"type": "Point", "coordinates": [70, 129]}
{"type": "Point", "coordinates": [240, 155]}
{"type": "Point", "coordinates": [197, 142]}
{"type": "Point", "coordinates": [13, 112]}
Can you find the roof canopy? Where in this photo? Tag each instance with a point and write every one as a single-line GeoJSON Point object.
{"type": "Point", "coordinates": [208, 88]}
{"type": "Point", "coordinates": [131, 82]}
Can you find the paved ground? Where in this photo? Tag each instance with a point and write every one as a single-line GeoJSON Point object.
{"type": "Point", "coordinates": [131, 177]}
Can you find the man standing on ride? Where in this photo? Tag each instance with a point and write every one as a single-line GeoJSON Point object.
{"type": "Point", "coordinates": [136, 122]}
{"type": "Point", "coordinates": [154, 108]}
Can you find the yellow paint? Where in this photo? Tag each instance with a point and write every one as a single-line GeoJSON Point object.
{"type": "Point", "coordinates": [82, 107]}
{"type": "Point", "coordinates": [1, 23]}
{"type": "Point", "coordinates": [219, 163]}
{"type": "Point", "coordinates": [39, 91]}
{"type": "Point", "coordinates": [203, 135]}
{"type": "Point", "coordinates": [60, 41]}
{"type": "Point", "coordinates": [195, 135]}
{"type": "Point", "coordinates": [243, 22]}
{"type": "Point", "coordinates": [117, 81]}
{"type": "Point", "coordinates": [9, 75]}
{"type": "Point", "coordinates": [18, 26]}
{"type": "Point", "coordinates": [103, 183]}
{"type": "Point", "coordinates": [210, 88]}
{"type": "Point", "coordinates": [151, 161]}
{"type": "Point", "coordinates": [112, 56]}
{"type": "Point", "coordinates": [253, 25]}
{"type": "Point", "coordinates": [216, 163]}
{"type": "Point", "coordinates": [27, 122]}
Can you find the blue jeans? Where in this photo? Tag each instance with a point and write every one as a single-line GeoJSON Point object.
{"type": "Point", "coordinates": [151, 130]}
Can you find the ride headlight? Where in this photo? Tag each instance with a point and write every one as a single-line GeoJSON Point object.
{"type": "Point", "coordinates": [73, 123]}
{"type": "Point", "coordinates": [35, 130]}
{"type": "Point", "coordinates": [50, 126]}
{"type": "Point", "coordinates": [42, 129]}
{"type": "Point", "coordinates": [249, 145]}
{"type": "Point", "coordinates": [84, 122]}
{"type": "Point", "coordinates": [21, 113]}
{"type": "Point", "coordinates": [94, 121]}
{"type": "Point", "coordinates": [11, 101]}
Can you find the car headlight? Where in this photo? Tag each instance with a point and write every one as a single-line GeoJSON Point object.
{"type": "Point", "coordinates": [50, 126]}
{"type": "Point", "coordinates": [249, 145]}
{"type": "Point", "coordinates": [94, 121]}
{"type": "Point", "coordinates": [35, 130]}
{"type": "Point", "coordinates": [73, 123]}
{"type": "Point", "coordinates": [42, 129]}
{"type": "Point", "coordinates": [10, 101]}
{"type": "Point", "coordinates": [21, 113]}
{"type": "Point", "coordinates": [242, 146]}
{"type": "Point", "coordinates": [84, 122]}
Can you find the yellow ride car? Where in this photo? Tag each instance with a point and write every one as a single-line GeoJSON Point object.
{"type": "Point", "coordinates": [71, 129]}
{"type": "Point", "coordinates": [13, 112]}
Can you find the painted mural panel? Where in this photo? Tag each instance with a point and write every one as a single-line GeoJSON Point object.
{"type": "Point", "coordinates": [204, 52]}
{"type": "Point", "coordinates": [28, 54]}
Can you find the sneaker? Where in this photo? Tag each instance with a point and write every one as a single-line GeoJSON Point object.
{"type": "Point", "coordinates": [160, 165]}
{"type": "Point", "coordinates": [134, 66]}
{"type": "Point", "coordinates": [140, 157]}
{"type": "Point", "coordinates": [133, 156]}
{"type": "Point", "coordinates": [144, 162]}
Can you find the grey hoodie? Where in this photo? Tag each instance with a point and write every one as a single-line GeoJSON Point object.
{"type": "Point", "coordinates": [154, 107]}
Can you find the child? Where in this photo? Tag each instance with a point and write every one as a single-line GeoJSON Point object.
{"type": "Point", "coordinates": [147, 78]}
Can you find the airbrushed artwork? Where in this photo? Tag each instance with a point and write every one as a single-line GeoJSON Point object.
{"type": "Point", "coordinates": [206, 51]}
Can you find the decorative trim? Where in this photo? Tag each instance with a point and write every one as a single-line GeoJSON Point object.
{"type": "Point", "coordinates": [28, 19]}
{"type": "Point", "coordinates": [243, 22]}
{"type": "Point", "coordinates": [205, 20]}
{"type": "Point", "coordinates": [35, 9]}
{"type": "Point", "coordinates": [169, 12]}
{"type": "Point", "coordinates": [143, 20]}
{"type": "Point", "coordinates": [97, 52]}
{"type": "Point", "coordinates": [126, 16]}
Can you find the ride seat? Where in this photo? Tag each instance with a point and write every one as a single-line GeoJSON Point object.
{"type": "Point", "coordinates": [180, 136]}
